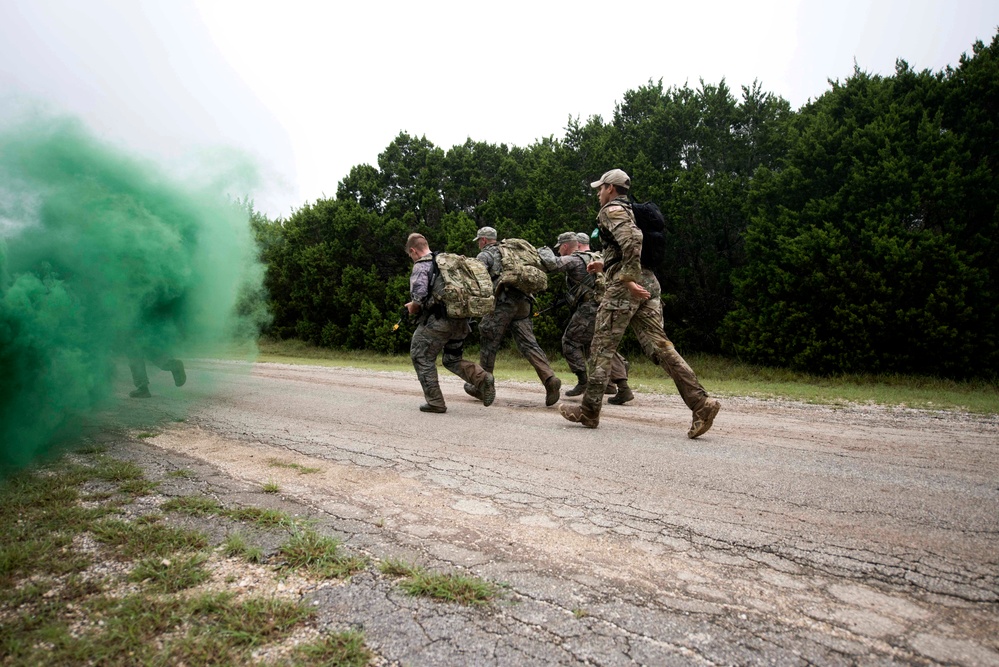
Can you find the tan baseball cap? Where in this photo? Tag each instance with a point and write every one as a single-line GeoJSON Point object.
{"type": "Point", "coordinates": [613, 177]}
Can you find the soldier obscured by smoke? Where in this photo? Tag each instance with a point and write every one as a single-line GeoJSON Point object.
{"type": "Point", "coordinates": [103, 255]}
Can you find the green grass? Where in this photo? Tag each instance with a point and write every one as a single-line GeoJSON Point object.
{"type": "Point", "coordinates": [236, 546]}
{"type": "Point", "coordinates": [719, 375]}
{"type": "Point", "coordinates": [318, 555]}
{"type": "Point", "coordinates": [302, 470]}
{"type": "Point", "coordinates": [270, 487]}
{"type": "Point", "coordinates": [52, 615]}
{"type": "Point", "coordinates": [342, 649]}
{"type": "Point", "coordinates": [203, 505]}
{"type": "Point", "coordinates": [170, 575]}
{"type": "Point", "coordinates": [443, 586]}
{"type": "Point", "coordinates": [134, 539]}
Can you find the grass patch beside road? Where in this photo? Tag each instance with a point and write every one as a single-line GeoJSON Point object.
{"type": "Point", "coordinates": [719, 375]}
{"type": "Point", "coordinates": [87, 578]}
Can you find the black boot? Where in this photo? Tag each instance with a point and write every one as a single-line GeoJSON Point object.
{"type": "Point", "coordinates": [580, 385]}
{"type": "Point", "coordinates": [623, 395]}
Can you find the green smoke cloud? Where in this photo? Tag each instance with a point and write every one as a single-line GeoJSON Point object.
{"type": "Point", "coordinates": [104, 256]}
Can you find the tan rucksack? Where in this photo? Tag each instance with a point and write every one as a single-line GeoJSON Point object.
{"type": "Point", "coordinates": [522, 267]}
{"type": "Point", "coordinates": [462, 285]}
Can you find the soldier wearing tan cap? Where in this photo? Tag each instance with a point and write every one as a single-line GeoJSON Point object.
{"type": "Point", "coordinates": [631, 298]}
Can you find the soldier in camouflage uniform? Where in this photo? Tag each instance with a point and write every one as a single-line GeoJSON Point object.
{"type": "Point", "coordinates": [583, 292]}
{"type": "Point", "coordinates": [436, 331]}
{"type": "Point", "coordinates": [631, 297]}
{"type": "Point", "coordinates": [513, 313]}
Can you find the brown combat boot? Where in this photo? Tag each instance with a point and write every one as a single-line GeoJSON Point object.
{"type": "Point", "coordinates": [488, 390]}
{"type": "Point", "coordinates": [552, 390]}
{"type": "Point", "coordinates": [438, 409]}
{"type": "Point", "coordinates": [704, 416]}
{"type": "Point", "coordinates": [623, 395]}
{"type": "Point", "coordinates": [473, 391]}
{"type": "Point", "coordinates": [579, 414]}
{"type": "Point", "coordinates": [580, 385]}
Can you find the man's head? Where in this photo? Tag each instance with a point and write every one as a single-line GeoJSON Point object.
{"type": "Point", "coordinates": [416, 246]}
{"type": "Point", "coordinates": [584, 240]}
{"type": "Point", "coordinates": [485, 236]}
{"type": "Point", "coordinates": [613, 183]}
{"type": "Point", "coordinates": [566, 243]}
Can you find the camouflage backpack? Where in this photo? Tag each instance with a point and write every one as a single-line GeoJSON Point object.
{"type": "Point", "coordinates": [522, 267]}
{"type": "Point", "coordinates": [462, 285]}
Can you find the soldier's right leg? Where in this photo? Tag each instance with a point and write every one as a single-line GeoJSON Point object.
{"type": "Point", "coordinates": [523, 335]}
{"type": "Point", "coordinates": [659, 348]}
{"type": "Point", "coordinates": [423, 350]}
{"type": "Point", "coordinates": [474, 376]}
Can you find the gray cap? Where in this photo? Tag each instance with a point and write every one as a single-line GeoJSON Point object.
{"type": "Point", "coordinates": [583, 238]}
{"type": "Point", "coordinates": [613, 177]}
{"type": "Point", "coordinates": [485, 233]}
{"type": "Point", "coordinates": [566, 237]}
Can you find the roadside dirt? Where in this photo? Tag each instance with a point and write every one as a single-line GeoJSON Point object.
{"type": "Point", "coordinates": [789, 533]}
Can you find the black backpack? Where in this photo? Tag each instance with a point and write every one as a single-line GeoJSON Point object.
{"type": "Point", "coordinates": [650, 220]}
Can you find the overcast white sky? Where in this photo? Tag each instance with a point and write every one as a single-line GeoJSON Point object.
{"type": "Point", "coordinates": [311, 89]}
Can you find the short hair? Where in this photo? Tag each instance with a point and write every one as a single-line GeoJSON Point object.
{"type": "Point", "coordinates": [418, 241]}
{"type": "Point", "coordinates": [619, 189]}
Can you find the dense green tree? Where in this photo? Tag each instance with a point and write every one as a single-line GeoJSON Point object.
{"type": "Point", "coordinates": [858, 253]}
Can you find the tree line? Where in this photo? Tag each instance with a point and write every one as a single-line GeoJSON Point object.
{"type": "Point", "coordinates": [855, 234]}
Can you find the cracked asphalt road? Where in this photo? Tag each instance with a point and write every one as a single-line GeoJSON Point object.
{"type": "Point", "coordinates": [789, 534]}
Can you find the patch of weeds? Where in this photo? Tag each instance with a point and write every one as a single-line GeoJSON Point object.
{"type": "Point", "coordinates": [203, 505]}
{"type": "Point", "coordinates": [255, 620]}
{"type": "Point", "coordinates": [209, 629]}
{"type": "Point", "coordinates": [169, 575]}
{"type": "Point", "coordinates": [319, 555]}
{"type": "Point", "coordinates": [447, 587]}
{"type": "Point", "coordinates": [271, 487]}
{"type": "Point", "coordinates": [183, 473]}
{"type": "Point", "coordinates": [136, 540]}
{"type": "Point", "coordinates": [235, 546]}
{"type": "Point", "coordinates": [343, 649]}
{"type": "Point", "coordinates": [193, 505]}
{"type": "Point", "coordinates": [149, 518]}
{"type": "Point", "coordinates": [580, 613]}
{"type": "Point", "coordinates": [146, 434]}
{"type": "Point", "coordinates": [138, 487]}
{"type": "Point", "coordinates": [113, 470]}
{"type": "Point", "coordinates": [264, 518]}
{"type": "Point", "coordinates": [302, 470]}
{"type": "Point", "coordinates": [397, 568]}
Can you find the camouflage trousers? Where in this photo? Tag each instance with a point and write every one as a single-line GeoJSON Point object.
{"type": "Point", "coordinates": [430, 338]}
{"type": "Point", "coordinates": [617, 311]}
{"type": "Point", "coordinates": [512, 314]}
{"type": "Point", "coordinates": [577, 339]}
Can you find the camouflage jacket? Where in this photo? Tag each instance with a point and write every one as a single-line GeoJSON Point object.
{"type": "Point", "coordinates": [580, 284]}
{"type": "Point", "coordinates": [622, 241]}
